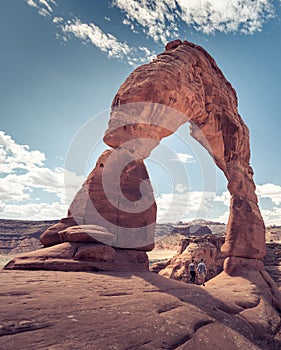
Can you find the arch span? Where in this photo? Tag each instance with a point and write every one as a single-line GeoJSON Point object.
{"type": "Point", "coordinates": [186, 78]}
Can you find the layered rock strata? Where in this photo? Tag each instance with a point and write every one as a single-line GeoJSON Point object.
{"type": "Point", "coordinates": [73, 256]}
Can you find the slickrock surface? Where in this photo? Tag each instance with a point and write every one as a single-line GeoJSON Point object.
{"type": "Point", "coordinates": [186, 79]}
{"type": "Point", "coordinates": [52, 310]}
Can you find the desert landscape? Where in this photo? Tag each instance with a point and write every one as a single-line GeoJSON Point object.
{"type": "Point", "coordinates": [151, 312]}
{"type": "Point", "coordinates": [154, 224]}
{"type": "Point", "coordinates": [106, 276]}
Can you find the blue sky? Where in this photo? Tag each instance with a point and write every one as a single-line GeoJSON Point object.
{"type": "Point", "coordinates": [61, 63]}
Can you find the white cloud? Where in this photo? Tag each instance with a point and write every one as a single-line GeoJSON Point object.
{"type": "Point", "coordinates": [173, 207]}
{"type": "Point", "coordinates": [183, 158]}
{"type": "Point", "coordinates": [272, 217]}
{"type": "Point", "coordinates": [46, 4]}
{"type": "Point", "coordinates": [57, 20]}
{"type": "Point", "coordinates": [45, 7]}
{"type": "Point", "coordinates": [224, 198]}
{"type": "Point", "coordinates": [270, 191]}
{"type": "Point", "coordinates": [180, 188]}
{"type": "Point", "coordinates": [160, 19]}
{"type": "Point", "coordinates": [31, 3]}
{"type": "Point", "coordinates": [33, 211]}
{"type": "Point", "coordinates": [223, 218]}
{"type": "Point", "coordinates": [14, 156]}
{"type": "Point", "coordinates": [90, 32]}
{"type": "Point", "coordinates": [21, 172]}
{"type": "Point", "coordinates": [106, 42]}
{"type": "Point", "coordinates": [155, 17]}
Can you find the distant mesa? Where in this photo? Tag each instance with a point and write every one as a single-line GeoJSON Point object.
{"type": "Point", "coordinates": [192, 230]}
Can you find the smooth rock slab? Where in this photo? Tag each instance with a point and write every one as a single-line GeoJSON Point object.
{"type": "Point", "coordinates": [53, 310]}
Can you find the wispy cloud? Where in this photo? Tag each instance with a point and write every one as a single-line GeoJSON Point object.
{"type": "Point", "coordinates": [57, 20]}
{"type": "Point", "coordinates": [159, 20]}
{"type": "Point", "coordinates": [106, 42]}
{"type": "Point", "coordinates": [183, 158]}
{"type": "Point", "coordinates": [90, 32]}
{"type": "Point", "coordinates": [271, 191]}
{"type": "Point", "coordinates": [45, 7]}
{"type": "Point", "coordinates": [162, 19]}
{"type": "Point", "coordinates": [156, 18]}
{"type": "Point", "coordinates": [184, 205]}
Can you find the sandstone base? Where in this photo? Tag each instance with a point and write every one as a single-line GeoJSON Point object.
{"type": "Point", "coordinates": [73, 256]}
{"type": "Point", "coordinates": [55, 310]}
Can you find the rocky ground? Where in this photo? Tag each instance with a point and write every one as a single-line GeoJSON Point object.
{"type": "Point", "coordinates": [49, 310]}
{"type": "Point", "coordinates": [52, 310]}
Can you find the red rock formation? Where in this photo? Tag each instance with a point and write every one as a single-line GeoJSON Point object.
{"type": "Point", "coordinates": [181, 85]}
{"type": "Point", "coordinates": [207, 247]}
{"type": "Point", "coordinates": [72, 256]}
{"type": "Point", "coordinates": [112, 202]}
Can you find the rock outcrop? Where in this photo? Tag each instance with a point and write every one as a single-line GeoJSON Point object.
{"type": "Point", "coordinates": [192, 230]}
{"type": "Point", "coordinates": [78, 250]}
{"type": "Point", "coordinates": [207, 247]}
{"type": "Point", "coordinates": [114, 209]}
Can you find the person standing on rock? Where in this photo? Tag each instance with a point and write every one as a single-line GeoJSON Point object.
{"type": "Point", "coordinates": [192, 271]}
{"type": "Point", "coordinates": [202, 272]}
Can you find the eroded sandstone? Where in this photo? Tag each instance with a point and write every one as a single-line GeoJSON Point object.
{"type": "Point", "coordinates": [181, 85]}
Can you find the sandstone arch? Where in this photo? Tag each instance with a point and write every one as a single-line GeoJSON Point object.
{"type": "Point", "coordinates": [183, 84]}
{"type": "Point", "coordinates": [186, 78]}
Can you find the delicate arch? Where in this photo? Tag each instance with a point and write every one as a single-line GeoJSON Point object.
{"type": "Point", "coordinates": [186, 78]}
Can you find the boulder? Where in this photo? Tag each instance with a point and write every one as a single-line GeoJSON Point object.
{"type": "Point", "coordinates": [206, 247]}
